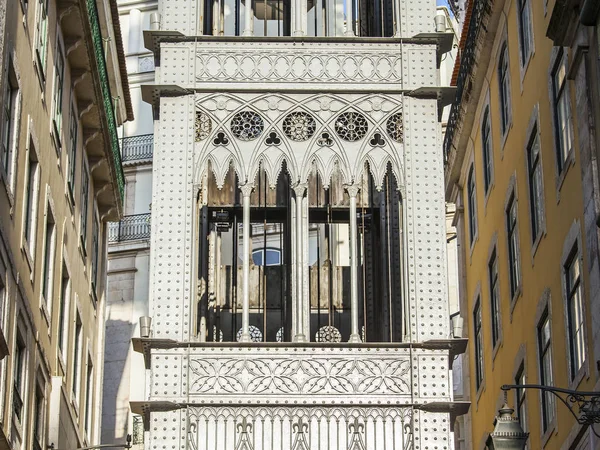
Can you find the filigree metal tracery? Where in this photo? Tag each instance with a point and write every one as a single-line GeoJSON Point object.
{"type": "Point", "coordinates": [588, 403]}
{"type": "Point", "coordinates": [299, 126]}
{"type": "Point", "coordinates": [328, 333]}
{"type": "Point", "coordinates": [395, 127]}
{"type": "Point", "coordinates": [247, 125]}
{"type": "Point", "coordinates": [351, 126]}
{"type": "Point", "coordinates": [255, 334]}
{"type": "Point", "coordinates": [203, 126]}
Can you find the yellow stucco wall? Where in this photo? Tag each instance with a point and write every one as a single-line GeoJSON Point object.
{"type": "Point", "coordinates": [540, 270]}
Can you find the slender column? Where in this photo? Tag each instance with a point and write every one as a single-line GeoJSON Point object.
{"type": "Point", "coordinates": [349, 18]}
{"type": "Point", "coordinates": [248, 16]}
{"type": "Point", "coordinates": [246, 191]}
{"type": "Point", "coordinates": [396, 7]}
{"type": "Point", "coordinates": [298, 18]}
{"type": "Point", "coordinates": [300, 335]}
{"type": "Point", "coordinates": [353, 192]}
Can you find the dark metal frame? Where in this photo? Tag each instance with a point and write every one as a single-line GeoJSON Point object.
{"type": "Point", "coordinates": [588, 403]}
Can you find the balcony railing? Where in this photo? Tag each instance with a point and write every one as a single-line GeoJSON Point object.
{"type": "Point", "coordinates": [107, 98]}
{"type": "Point", "coordinates": [137, 148]}
{"type": "Point", "coordinates": [468, 61]}
{"type": "Point", "coordinates": [130, 228]}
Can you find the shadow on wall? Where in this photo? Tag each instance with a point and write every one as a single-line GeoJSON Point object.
{"type": "Point", "coordinates": [116, 388]}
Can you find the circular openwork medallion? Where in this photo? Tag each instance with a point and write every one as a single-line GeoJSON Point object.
{"type": "Point", "coordinates": [217, 337]}
{"type": "Point", "coordinates": [299, 126]}
{"type": "Point", "coordinates": [328, 334]}
{"type": "Point", "coordinates": [351, 126]}
{"type": "Point", "coordinates": [203, 126]}
{"type": "Point", "coordinates": [395, 127]}
{"type": "Point", "coordinates": [255, 334]}
{"type": "Point", "coordinates": [247, 125]}
{"type": "Point", "coordinates": [279, 336]}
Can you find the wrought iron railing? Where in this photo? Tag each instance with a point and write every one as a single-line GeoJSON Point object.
{"type": "Point", "coordinates": [138, 430]}
{"type": "Point", "coordinates": [468, 57]}
{"type": "Point", "coordinates": [131, 228]}
{"type": "Point", "coordinates": [107, 98]}
{"type": "Point", "coordinates": [136, 148]}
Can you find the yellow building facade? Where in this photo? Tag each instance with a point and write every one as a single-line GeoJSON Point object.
{"type": "Point", "coordinates": [522, 180]}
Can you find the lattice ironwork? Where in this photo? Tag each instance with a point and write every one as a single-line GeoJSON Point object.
{"type": "Point", "coordinates": [468, 60]}
{"type": "Point", "coordinates": [203, 126]}
{"type": "Point", "coordinates": [107, 99]}
{"type": "Point", "coordinates": [351, 126]}
{"type": "Point", "coordinates": [217, 334]}
{"type": "Point", "coordinates": [138, 430]}
{"type": "Point", "coordinates": [279, 337]}
{"type": "Point", "coordinates": [255, 334]}
{"type": "Point", "coordinates": [328, 333]}
{"type": "Point", "coordinates": [299, 126]}
{"type": "Point", "coordinates": [395, 127]}
{"type": "Point", "coordinates": [137, 148]}
{"type": "Point", "coordinates": [132, 227]}
{"type": "Point", "coordinates": [247, 125]}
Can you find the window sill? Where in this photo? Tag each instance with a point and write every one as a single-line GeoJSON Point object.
{"type": "Point", "coordinates": [545, 437]}
{"type": "Point", "coordinates": [560, 179]}
{"type": "Point", "coordinates": [515, 299]}
{"type": "Point", "coordinates": [504, 137]}
{"type": "Point", "coordinates": [536, 243]}
{"type": "Point", "coordinates": [581, 373]}
{"type": "Point", "coordinates": [9, 191]}
{"type": "Point", "coordinates": [45, 312]}
{"type": "Point", "coordinates": [480, 391]}
{"type": "Point", "coordinates": [523, 66]}
{"type": "Point", "coordinates": [28, 258]}
{"type": "Point", "coordinates": [496, 349]}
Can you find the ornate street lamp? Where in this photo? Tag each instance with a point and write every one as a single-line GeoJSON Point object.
{"type": "Point", "coordinates": [588, 403]}
{"type": "Point", "coordinates": [507, 434]}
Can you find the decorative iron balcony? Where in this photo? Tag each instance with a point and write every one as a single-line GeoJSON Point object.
{"type": "Point", "coordinates": [468, 61]}
{"type": "Point", "coordinates": [107, 98]}
{"type": "Point", "coordinates": [131, 228]}
{"type": "Point", "coordinates": [137, 148]}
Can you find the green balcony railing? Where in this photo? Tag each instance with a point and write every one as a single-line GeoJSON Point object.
{"type": "Point", "coordinates": [106, 95]}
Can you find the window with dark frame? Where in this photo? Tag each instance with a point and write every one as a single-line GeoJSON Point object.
{"type": "Point", "coordinates": [88, 397]}
{"type": "Point", "coordinates": [77, 355]}
{"type": "Point", "coordinates": [95, 237]}
{"type": "Point", "coordinates": [57, 98]}
{"type": "Point", "coordinates": [41, 42]}
{"type": "Point", "coordinates": [521, 399]}
{"type": "Point", "coordinates": [19, 368]}
{"type": "Point", "coordinates": [478, 332]}
{"type": "Point", "coordinates": [525, 36]}
{"type": "Point", "coordinates": [30, 209]}
{"type": "Point", "coordinates": [9, 121]}
{"type": "Point", "coordinates": [85, 183]}
{"type": "Point", "coordinates": [494, 297]}
{"type": "Point", "coordinates": [39, 418]}
{"type": "Point", "coordinates": [504, 86]}
{"type": "Point", "coordinates": [472, 204]}
{"type": "Point", "coordinates": [63, 318]}
{"type": "Point", "coordinates": [486, 144]}
{"type": "Point", "coordinates": [48, 261]}
{"type": "Point", "coordinates": [544, 335]}
{"type": "Point", "coordinates": [72, 153]}
{"type": "Point", "coordinates": [576, 330]}
{"type": "Point", "coordinates": [514, 266]}
{"type": "Point", "coordinates": [536, 199]}
{"type": "Point", "coordinates": [562, 111]}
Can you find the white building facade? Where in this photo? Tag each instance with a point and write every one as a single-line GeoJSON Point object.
{"type": "Point", "coordinates": [129, 241]}
{"type": "Point", "coordinates": [298, 281]}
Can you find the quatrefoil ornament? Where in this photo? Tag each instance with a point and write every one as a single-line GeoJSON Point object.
{"type": "Point", "coordinates": [273, 139]}
{"type": "Point", "coordinates": [377, 140]}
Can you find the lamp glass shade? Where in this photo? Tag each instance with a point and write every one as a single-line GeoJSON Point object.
{"type": "Point", "coordinates": [507, 434]}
